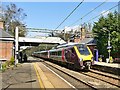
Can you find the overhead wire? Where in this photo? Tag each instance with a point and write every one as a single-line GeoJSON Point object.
{"type": "Point", "coordinates": [104, 12]}
{"type": "Point", "coordinates": [69, 15]}
{"type": "Point", "coordinates": [89, 12]}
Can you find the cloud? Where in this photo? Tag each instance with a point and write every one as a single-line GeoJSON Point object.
{"type": "Point", "coordinates": [105, 13]}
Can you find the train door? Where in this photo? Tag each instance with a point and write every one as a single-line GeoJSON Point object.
{"type": "Point", "coordinates": [67, 55]}
{"type": "Point", "coordinates": [73, 58]}
{"type": "Point", "coordinates": [95, 55]}
{"type": "Point", "coordinates": [70, 55]}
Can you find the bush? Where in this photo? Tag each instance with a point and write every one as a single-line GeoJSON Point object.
{"type": "Point", "coordinates": [100, 59]}
{"type": "Point", "coordinates": [111, 59]}
{"type": "Point", "coordinates": [4, 66]}
{"type": "Point", "coordinates": [12, 61]}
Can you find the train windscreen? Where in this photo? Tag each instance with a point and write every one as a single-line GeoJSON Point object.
{"type": "Point", "coordinates": [83, 49]}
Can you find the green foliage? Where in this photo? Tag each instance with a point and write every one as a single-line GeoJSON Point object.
{"type": "Point", "coordinates": [4, 66]}
{"type": "Point", "coordinates": [111, 59]}
{"type": "Point", "coordinates": [110, 23]}
{"type": "Point", "coordinates": [100, 59]}
{"type": "Point", "coordinates": [12, 61]}
{"type": "Point", "coordinates": [7, 64]}
{"type": "Point", "coordinates": [41, 47]}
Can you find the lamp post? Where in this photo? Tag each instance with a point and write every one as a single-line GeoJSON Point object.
{"type": "Point", "coordinates": [108, 47]}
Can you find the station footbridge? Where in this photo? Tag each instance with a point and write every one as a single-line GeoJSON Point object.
{"type": "Point", "coordinates": [28, 41]}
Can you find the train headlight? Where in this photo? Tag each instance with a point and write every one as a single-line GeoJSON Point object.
{"type": "Point", "coordinates": [80, 59]}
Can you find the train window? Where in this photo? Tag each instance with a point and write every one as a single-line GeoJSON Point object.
{"type": "Point", "coordinates": [54, 53]}
{"type": "Point", "coordinates": [83, 50]}
{"type": "Point", "coordinates": [59, 53]}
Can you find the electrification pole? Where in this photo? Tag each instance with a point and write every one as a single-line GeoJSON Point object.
{"type": "Point", "coordinates": [108, 47]}
{"type": "Point", "coordinates": [16, 46]}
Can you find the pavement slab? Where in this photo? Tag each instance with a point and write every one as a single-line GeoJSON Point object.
{"type": "Point", "coordinates": [0, 80]}
{"type": "Point", "coordinates": [22, 76]}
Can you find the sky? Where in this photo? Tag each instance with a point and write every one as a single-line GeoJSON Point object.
{"type": "Point", "coordinates": [48, 15]}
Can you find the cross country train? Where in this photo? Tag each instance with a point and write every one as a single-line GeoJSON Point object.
{"type": "Point", "coordinates": [79, 56]}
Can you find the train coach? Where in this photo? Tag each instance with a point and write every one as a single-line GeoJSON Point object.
{"type": "Point", "coordinates": [77, 56]}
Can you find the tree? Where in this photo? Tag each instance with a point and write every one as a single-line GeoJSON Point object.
{"type": "Point", "coordinates": [110, 23]}
{"type": "Point", "coordinates": [41, 47]}
{"type": "Point", "coordinates": [13, 17]}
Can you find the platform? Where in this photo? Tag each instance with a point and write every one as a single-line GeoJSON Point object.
{"type": "Point", "coordinates": [114, 65]}
{"type": "Point", "coordinates": [23, 76]}
{"type": "Point", "coordinates": [113, 68]}
{"type": "Point", "coordinates": [32, 75]}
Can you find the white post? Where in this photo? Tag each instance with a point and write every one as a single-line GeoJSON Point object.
{"type": "Point", "coordinates": [109, 44]}
{"type": "Point", "coordinates": [1, 64]}
{"type": "Point", "coordinates": [16, 45]}
{"type": "Point", "coordinates": [64, 33]}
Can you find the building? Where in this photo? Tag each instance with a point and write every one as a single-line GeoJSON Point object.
{"type": "Point", "coordinates": [81, 35]}
{"type": "Point", "coordinates": [6, 45]}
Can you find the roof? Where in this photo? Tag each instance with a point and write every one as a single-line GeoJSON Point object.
{"type": "Point", "coordinates": [88, 41]}
{"type": "Point", "coordinates": [4, 34]}
{"type": "Point", "coordinates": [53, 40]}
{"type": "Point", "coordinates": [70, 44]}
{"type": "Point", "coordinates": [66, 44]}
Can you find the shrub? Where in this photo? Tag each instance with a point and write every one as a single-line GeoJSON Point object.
{"type": "Point", "coordinates": [12, 61]}
{"type": "Point", "coordinates": [100, 59]}
{"type": "Point", "coordinates": [4, 66]}
{"type": "Point", "coordinates": [111, 59]}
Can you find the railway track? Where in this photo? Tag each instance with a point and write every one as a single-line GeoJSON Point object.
{"type": "Point", "coordinates": [88, 84]}
{"type": "Point", "coordinates": [103, 77]}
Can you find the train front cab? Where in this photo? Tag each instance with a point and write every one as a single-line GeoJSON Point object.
{"type": "Point", "coordinates": [85, 56]}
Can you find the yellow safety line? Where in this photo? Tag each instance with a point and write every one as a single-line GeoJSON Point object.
{"type": "Point", "coordinates": [39, 79]}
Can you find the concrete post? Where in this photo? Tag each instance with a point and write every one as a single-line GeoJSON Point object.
{"type": "Point", "coordinates": [16, 45]}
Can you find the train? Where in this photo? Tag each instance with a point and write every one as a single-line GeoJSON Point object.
{"type": "Point", "coordinates": [75, 55]}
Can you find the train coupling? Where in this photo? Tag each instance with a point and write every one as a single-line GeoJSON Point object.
{"type": "Point", "coordinates": [87, 63]}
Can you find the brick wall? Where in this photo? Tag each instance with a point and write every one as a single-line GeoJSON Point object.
{"type": "Point", "coordinates": [6, 49]}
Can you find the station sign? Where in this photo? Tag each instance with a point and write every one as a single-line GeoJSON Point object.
{"type": "Point", "coordinates": [109, 47]}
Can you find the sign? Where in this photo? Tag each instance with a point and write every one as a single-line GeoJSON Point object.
{"type": "Point", "coordinates": [109, 47]}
